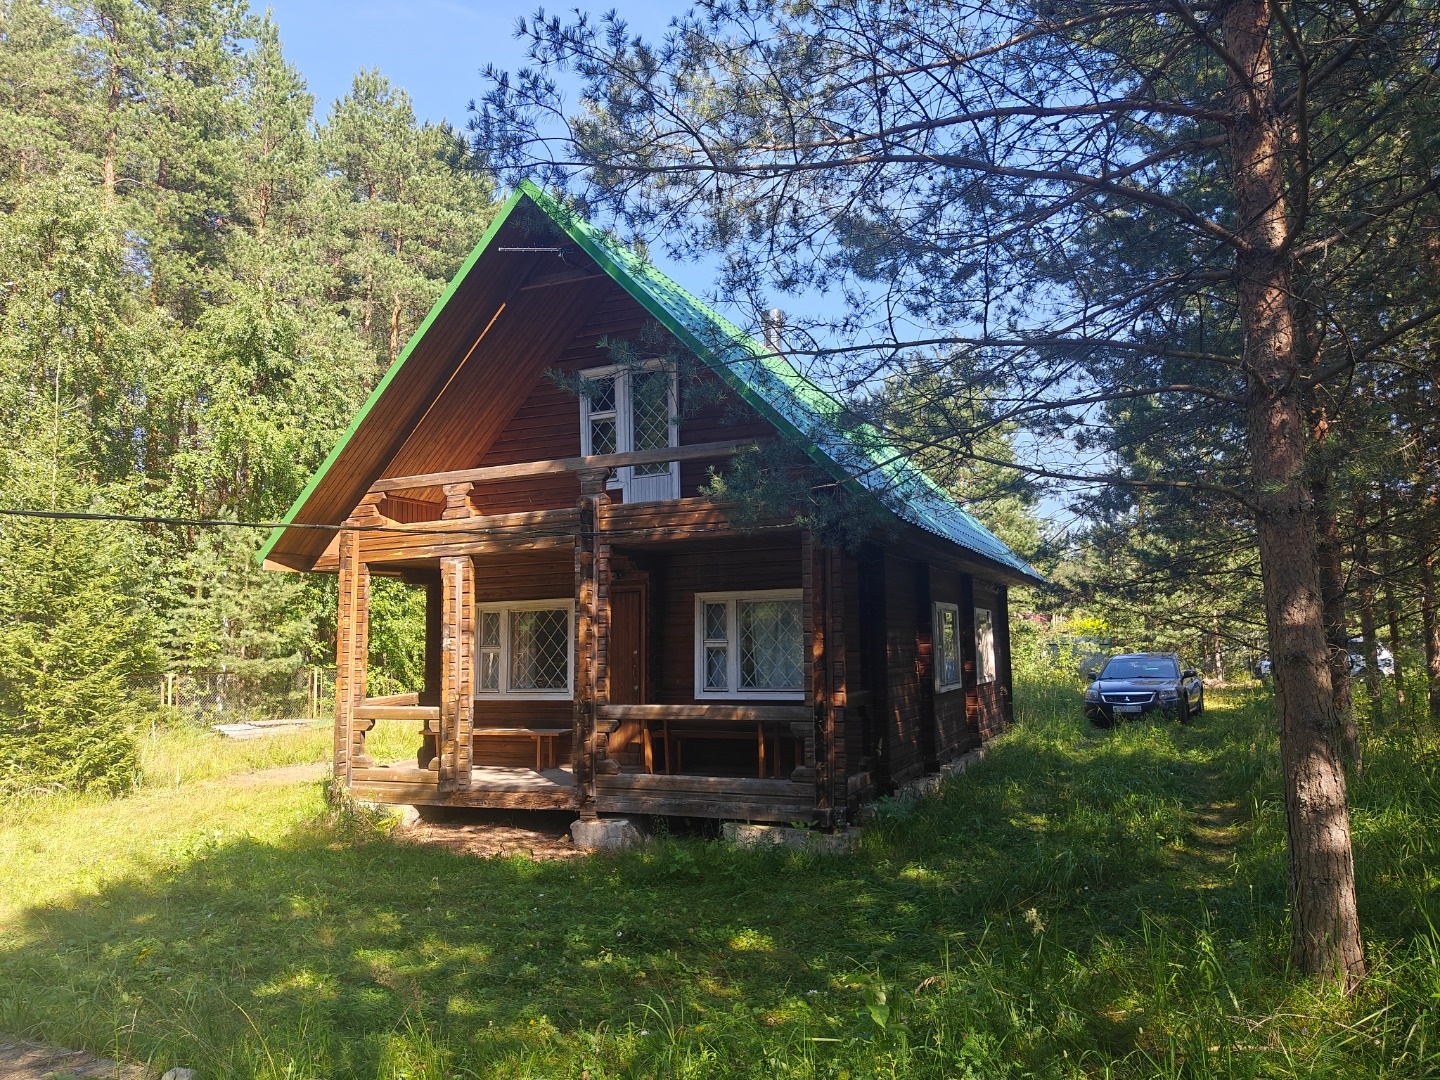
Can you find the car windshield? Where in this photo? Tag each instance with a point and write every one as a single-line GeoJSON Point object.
{"type": "Point", "coordinates": [1141, 667]}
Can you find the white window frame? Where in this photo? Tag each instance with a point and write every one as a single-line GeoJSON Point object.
{"type": "Point", "coordinates": [733, 689]}
{"type": "Point", "coordinates": [984, 647]}
{"type": "Point", "coordinates": [505, 693]}
{"type": "Point", "coordinates": [938, 647]}
{"type": "Point", "coordinates": [624, 478]}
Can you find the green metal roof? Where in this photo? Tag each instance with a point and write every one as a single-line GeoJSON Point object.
{"type": "Point", "coordinates": [834, 438]}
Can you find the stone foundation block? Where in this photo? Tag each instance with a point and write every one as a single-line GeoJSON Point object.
{"type": "Point", "coordinates": [605, 834]}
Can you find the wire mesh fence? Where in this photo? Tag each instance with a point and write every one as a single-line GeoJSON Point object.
{"type": "Point", "coordinates": [230, 697]}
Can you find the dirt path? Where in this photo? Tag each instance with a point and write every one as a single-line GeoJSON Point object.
{"type": "Point", "coordinates": [23, 1060]}
{"type": "Point", "coordinates": [282, 774]}
{"type": "Point", "coordinates": [539, 834]}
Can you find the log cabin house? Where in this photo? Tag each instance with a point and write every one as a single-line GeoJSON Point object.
{"type": "Point", "coordinates": [600, 636]}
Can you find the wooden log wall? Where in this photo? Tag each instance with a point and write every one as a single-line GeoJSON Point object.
{"type": "Point", "coordinates": [1004, 675]}
{"type": "Point", "coordinates": [904, 750]}
{"type": "Point", "coordinates": [767, 561]}
{"type": "Point", "coordinates": [955, 732]}
{"type": "Point", "coordinates": [546, 423]}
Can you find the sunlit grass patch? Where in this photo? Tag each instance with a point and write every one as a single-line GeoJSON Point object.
{"type": "Point", "coordinates": [1082, 903]}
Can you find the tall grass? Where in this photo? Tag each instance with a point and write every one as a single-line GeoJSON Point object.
{"type": "Point", "coordinates": [1081, 904]}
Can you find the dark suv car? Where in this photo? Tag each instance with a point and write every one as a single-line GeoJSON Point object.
{"type": "Point", "coordinates": [1138, 683]}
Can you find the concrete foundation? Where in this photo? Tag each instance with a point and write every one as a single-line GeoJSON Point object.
{"type": "Point", "coordinates": [763, 836]}
{"type": "Point", "coordinates": [605, 834]}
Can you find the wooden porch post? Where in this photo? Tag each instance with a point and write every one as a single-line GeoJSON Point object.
{"type": "Point", "coordinates": [351, 646]}
{"type": "Point", "coordinates": [457, 665]}
{"type": "Point", "coordinates": [817, 599]}
{"type": "Point", "coordinates": [589, 562]}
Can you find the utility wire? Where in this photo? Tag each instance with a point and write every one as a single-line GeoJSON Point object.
{"type": "Point", "coordinates": [400, 529]}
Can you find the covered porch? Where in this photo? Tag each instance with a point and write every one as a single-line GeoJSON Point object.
{"type": "Point", "coordinates": [623, 733]}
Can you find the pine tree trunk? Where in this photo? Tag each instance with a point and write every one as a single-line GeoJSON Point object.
{"type": "Point", "coordinates": [1430, 615]}
{"type": "Point", "coordinates": [1332, 592]}
{"type": "Point", "coordinates": [1392, 609]}
{"type": "Point", "coordinates": [1324, 920]}
{"type": "Point", "coordinates": [1365, 582]}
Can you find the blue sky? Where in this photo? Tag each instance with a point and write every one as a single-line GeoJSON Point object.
{"type": "Point", "coordinates": [435, 49]}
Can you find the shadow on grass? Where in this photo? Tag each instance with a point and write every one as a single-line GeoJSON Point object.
{"type": "Point", "coordinates": [1039, 909]}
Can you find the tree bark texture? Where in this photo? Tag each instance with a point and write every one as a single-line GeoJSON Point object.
{"type": "Point", "coordinates": [1430, 615]}
{"type": "Point", "coordinates": [1392, 606]}
{"type": "Point", "coordinates": [1332, 592]}
{"type": "Point", "coordinates": [1324, 920]}
{"type": "Point", "coordinates": [1366, 581]}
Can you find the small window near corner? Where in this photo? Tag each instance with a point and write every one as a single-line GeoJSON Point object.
{"type": "Point", "coordinates": [984, 645]}
{"type": "Point", "coordinates": [947, 646]}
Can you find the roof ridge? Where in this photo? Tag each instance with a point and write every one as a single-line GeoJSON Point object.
{"type": "Point", "coordinates": [886, 466]}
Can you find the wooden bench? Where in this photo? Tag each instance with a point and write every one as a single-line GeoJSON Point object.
{"type": "Point", "coordinates": [547, 741]}
{"type": "Point", "coordinates": [674, 733]}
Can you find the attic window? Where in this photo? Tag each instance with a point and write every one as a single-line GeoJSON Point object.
{"type": "Point", "coordinates": [625, 409]}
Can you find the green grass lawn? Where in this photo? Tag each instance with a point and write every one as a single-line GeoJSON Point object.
{"type": "Point", "coordinates": [1084, 903]}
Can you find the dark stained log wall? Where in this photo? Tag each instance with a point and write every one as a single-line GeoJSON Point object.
{"type": "Point", "coordinates": [546, 424]}
{"type": "Point", "coordinates": [904, 748]}
{"type": "Point", "coordinates": [953, 732]}
{"type": "Point", "coordinates": [763, 562]}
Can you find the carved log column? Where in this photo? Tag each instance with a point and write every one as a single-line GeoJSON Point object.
{"type": "Point", "coordinates": [591, 642]}
{"type": "Point", "coordinates": [457, 665]}
{"type": "Point", "coordinates": [351, 646]}
{"type": "Point", "coordinates": [817, 600]}
{"type": "Point", "coordinates": [837, 688]}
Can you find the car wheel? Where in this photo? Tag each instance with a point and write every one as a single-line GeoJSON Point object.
{"type": "Point", "coordinates": [1200, 705]}
{"type": "Point", "coordinates": [1184, 710]}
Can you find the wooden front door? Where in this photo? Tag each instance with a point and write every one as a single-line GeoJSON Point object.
{"type": "Point", "coordinates": [627, 645]}
{"type": "Point", "coordinates": [627, 666]}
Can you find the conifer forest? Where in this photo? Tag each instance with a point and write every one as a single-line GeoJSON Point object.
{"type": "Point", "coordinates": [1153, 288]}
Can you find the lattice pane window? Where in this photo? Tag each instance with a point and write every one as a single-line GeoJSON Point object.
{"type": "Point", "coordinates": [770, 644]}
{"type": "Point", "coordinates": [524, 649]}
{"type": "Point", "coordinates": [600, 395]}
{"type": "Point", "coordinates": [629, 409]}
{"type": "Point", "coordinates": [984, 645]}
{"type": "Point", "coordinates": [749, 645]}
{"type": "Point", "coordinates": [487, 673]}
{"type": "Point", "coordinates": [650, 416]}
{"type": "Point", "coordinates": [717, 646]}
{"type": "Point", "coordinates": [947, 646]}
{"type": "Point", "coordinates": [539, 650]}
